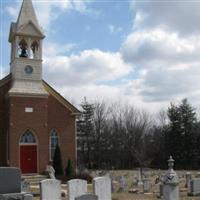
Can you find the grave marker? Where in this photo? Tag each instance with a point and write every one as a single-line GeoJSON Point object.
{"type": "Point", "coordinates": [170, 183]}
{"type": "Point", "coordinates": [50, 189]}
{"type": "Point", "coordinates": [76, 187]}
{"type": "Point", "coordinates": [195, 187]}
{"type": "Point", "coordinates": [10, 185]}
{"type": "Point", "coordinates": [87, 197]}
{"type": "Point", "coordinates": [188, 178]}
{"type": "Point", "coordinates": [102, 188]}
{"type": "Point", "coordinates": [146, 185]}
{"type": "Point", "coordinates": [6, 175]}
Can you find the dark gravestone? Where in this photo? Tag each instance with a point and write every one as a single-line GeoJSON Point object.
{"type": "Point", "coordinates": [10, 180]}
{"type": "Point", "coordinates": [87, 197]}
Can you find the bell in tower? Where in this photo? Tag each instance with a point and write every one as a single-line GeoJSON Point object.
{"type": "Point", "coordinates": [23, 49]}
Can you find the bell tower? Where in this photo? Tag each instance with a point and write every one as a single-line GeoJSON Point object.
{"type": "Point", "coordinates": [26, 38]}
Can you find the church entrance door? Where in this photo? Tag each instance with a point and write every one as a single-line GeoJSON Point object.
{"type": "Point", "coordinates": [28, 158]}
{"type": "Point", "coordinates": [28, 153]}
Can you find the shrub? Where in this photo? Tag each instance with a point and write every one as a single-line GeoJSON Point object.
{"type": "Point", "coordinates": [57, 161]}
{"type": "Point", "coordinates": [69, 171]}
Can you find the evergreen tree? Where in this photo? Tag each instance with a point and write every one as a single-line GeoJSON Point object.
{"type": "Point", "coordinates": [181, 135]}
{"type": "Point", "coordinates": [85, 128]}
{"type": "Point", "coordinates": [69, 171]}
{"type": "Point", "coordinates": [57, 161]}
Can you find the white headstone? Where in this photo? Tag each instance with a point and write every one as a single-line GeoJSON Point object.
{"type": "Point", "coordinates": [188, 178]}
{"type": "Point", "coordinates": [50, 189]}
{"type": "Point", "coordinates": [195, 187]}
{"type": "Point", "coordinates": [146, 185]}
{"type": "Point", "coordinates": [102, 188]}
{"type": "Point", "coordinates": [76, 187]}
{"type": "Point", "coordinates": [161, 189]}
{"type": "Point", "coordinates": [139, 178]}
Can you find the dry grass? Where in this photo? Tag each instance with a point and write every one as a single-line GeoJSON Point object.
{"type": "Point", "coordinates": [128, 196]}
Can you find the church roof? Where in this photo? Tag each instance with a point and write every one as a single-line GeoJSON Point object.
{"type": "Point", "coordinates": [61, 99]}
{"type": "Point", "coordinates": [27, 14]}
{"type": "Point", "coordinates": [5, 80]}
{"type": "Point", "coordinates": [52, 92]}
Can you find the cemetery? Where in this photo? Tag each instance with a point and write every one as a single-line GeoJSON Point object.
{"type": "Point", "coordinates": [106, 185]}
{"type": "Point", "coordinates": [33, 157]}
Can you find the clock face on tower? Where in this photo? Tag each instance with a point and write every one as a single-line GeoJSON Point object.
{"type": "Point", "coordinates": [28, 69]}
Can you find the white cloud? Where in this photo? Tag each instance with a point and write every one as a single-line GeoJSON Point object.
{"type": "Point", "coordinates": [161, 84]}
{"type": "Point", "coordinates": [165, 57]}
{"type": "Point", "coordinates": [180, 16]}
{"type": "Point", "coordinates": [158, 47]}
{"type": "Point", "coordinates": [90, 66]}
{"type": "Point", "coordinates": [168, 64]}
{"type": "Point", "coordinates": [54, 49]}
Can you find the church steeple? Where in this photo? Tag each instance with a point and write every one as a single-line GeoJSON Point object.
{"type": "Point", "coordinates": [27, 14]}
{"type": "Point", "coordinates": [26, 38]}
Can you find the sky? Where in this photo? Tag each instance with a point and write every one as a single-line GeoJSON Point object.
{"type": "Point", "coordinates": [145, 53]}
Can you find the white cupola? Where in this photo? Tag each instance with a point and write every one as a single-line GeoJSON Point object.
{"type": "Point", "coordinates": [26, 38]}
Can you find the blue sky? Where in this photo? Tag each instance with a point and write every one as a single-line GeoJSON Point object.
{"type": "Point", "coordinates": [146, 53]}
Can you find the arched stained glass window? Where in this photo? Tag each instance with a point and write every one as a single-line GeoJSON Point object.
{"type": "Point", "coordinates": [53, 142]}
{"type": "Point", "coordinates": [28, 137]}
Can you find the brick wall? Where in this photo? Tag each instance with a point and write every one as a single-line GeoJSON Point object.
{"type": "Point", "coordinates": [35, 121]}
{"type": "Point", "coordinates": [3, 123]}
{"type": "Point", "coordinates": [61, 119]}
{"type": "Point", "coordinates": [48, 113]}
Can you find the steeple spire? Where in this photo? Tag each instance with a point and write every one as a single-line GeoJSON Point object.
{"type": "Point", "coordinates": [26, 39]}
{"type": "Point", "coordinates": [27, 14]}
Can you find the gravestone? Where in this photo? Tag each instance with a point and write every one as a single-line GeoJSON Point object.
{"type": "Point", "coordinates": [50, 189]}
{"type": "Point", "coordinates": [188, 177]}
{"type": "Point", "coordinates": [195, 187]}
{"type": "Point", "coordinates": [16, 197]}
{"type": "Point", "coordinates": [76, 187]}
{"type": "Point", "coordinates": [87, 197]}
{"type": "Point", "coordinates": [6, 175]}
{"type": "Point", "coordinates": [146, 185]}
{"type": "Point", "coordinates": [198, 175]}
{"type": "Point", "coordinates": [25, 186]}
{"type": "Point", "coordinates": [10, 185]}
{"type": "Point", "coordinates": [51, 172]}
{"type": "Point", "coordinates": [102, 188]}
{"type": "Point", "coordinates": [170, 183]}
{"type": "Point", "coordinates": [139, 178]}
{"type": "Point", "coordinates": [161, 189]}
{"type": "Point", "coordinates": [122, 183]}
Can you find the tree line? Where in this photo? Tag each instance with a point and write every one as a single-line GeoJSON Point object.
{"type": "Point", "coordinates": [123, 137]}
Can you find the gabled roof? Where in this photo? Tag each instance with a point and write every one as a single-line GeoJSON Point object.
{"type": "Point", "coordinates": [61, 99]}
{"type": "Point", "coordinates": [5, 80]}
{"type": "Point", "coordinates": [52, 92]}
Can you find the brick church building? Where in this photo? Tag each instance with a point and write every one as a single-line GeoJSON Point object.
{"type": "Point", "coordinates": [34, 118]}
